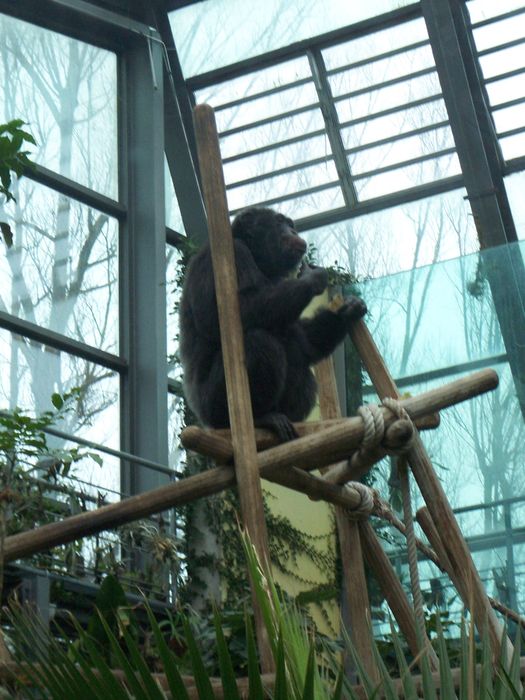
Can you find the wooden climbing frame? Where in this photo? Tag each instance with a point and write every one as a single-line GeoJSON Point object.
{"type": "Point", "coordinates": [244, 455]}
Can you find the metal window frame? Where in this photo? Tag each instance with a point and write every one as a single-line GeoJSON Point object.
{"type": "Point", "coordinates": [142, 361]}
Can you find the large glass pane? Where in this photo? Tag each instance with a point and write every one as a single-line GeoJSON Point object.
{"type": "Point", "coordinates": [173, 292]}
{"type": "Point", "coordinates": [375, 128]}
{"type": "Point", "coordinates": [61, 271]}
{"type": "Point", "coordinates": [347, 80]}
{"type": "Point", "coordinates": [381, 99]}
{"type": "Point", "coordinates": [267, 161]}
{"type": "Point", "coordinates": [270, 134]}
{"type": "Point", "coordinates": [496, 63]}
{"type": "Point", "coordinates": [433, 325]}
{"type": "Point", "coordinates": [399, 238]}
{"type": "Point", "coordinates": [66, 91]}
{"type": "Point", "coordinates": [289, 183]}
{"type": "Point", "coordinates": [408, 176]}
{"type": "Point", "coordinates": [400, 150]}
{"type": "Point", "coordinates": [216, 33]}
{"type": "Point", "coordinates": [484, 9]}
{"type": "Point", "coordinates": [31, 372]}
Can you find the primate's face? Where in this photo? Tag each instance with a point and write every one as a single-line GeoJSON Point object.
{"type": "Point", "coordinates": [272, 239]}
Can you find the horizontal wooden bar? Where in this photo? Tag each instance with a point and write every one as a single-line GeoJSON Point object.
{"type": "Point", "coordinates": [309, 452]}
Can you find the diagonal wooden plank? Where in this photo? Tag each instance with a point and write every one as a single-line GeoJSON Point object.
{"type": "Point", "coordinates": [238, 391]}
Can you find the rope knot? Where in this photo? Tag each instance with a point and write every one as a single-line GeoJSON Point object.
{"type": "Point", "coordinates": [367, 502]}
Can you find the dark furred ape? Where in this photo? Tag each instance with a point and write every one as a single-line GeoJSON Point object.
{"type": "Point", "coordinates": [280, 347]}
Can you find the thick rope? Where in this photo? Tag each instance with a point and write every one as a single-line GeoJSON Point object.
{"type": "Point", "coordinates": [417, 597]}
{"type": "Point", "coordinates": [374, 426]}
{"type": "Point", "coordinates": [367, 503]}
{"type": "Point", "coordinates": [374, 431]}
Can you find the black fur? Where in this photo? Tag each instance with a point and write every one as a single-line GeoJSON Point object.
{"type": "Point", "coordinates": [280, 347]}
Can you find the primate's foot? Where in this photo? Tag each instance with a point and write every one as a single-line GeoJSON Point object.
{"type": "Point", "coordinates": [279, 424]}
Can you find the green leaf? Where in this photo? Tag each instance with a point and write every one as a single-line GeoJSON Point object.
{"type": "Point", "coordinates": [114, 689]}
{"type": "Point", "coordinates": [153, 691]}
{"type": "Point", "coordinates": [309, 679]}
{"type": "Point", "coordinates": [96, 458]}
{"type": "Point", "coordinates": [281, 687]}
{"type": "Point", "coordinates": [202, 681]}
{"type": "Point", "coordinates": [175, 683]}
{"type": "Point", "coordinates": [447, 689]}
{"type": "Point", "coordinates": [255, 687]}
{"type": "Point", "coordinates": [123, 663]}
{"type": "Point", "coordinates": [7, 234]}
{"type": "Point", "coordinates": [57, 401]}
{"type": "Point", "coordinates": [229, 683]}
{"type": "Point", "coordinates": [409, 687]}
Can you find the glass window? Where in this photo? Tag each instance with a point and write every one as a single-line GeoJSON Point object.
{"type": "Point", "coordinates": [484, 9]}
{"type": "Point", "coordinates": [61, 272]}
{"type": "Point", "coordinates": [171, 203]}
{"type": "Point", "coordinates": [289, 183]}
{"type": "Point", "coordinates": [506, 92]}
{"type": "Point", "coordinates": [386, 127]}
{"type": "Point", "coordinates": [267, 161]}
{"type": "Point", "coordinates": [401, 150]}
{"type": "Point", "coordinates": [66, 91]}
{"type": "Point", "coordinates": [216, 33]}
{"type": "Point", "coordinates": [173, 289]}
{"type": "Point", "coordinates": [31, 372]}
{"type": "Point", "coordinates": [272, 133]}
{"type": "Point", "coordinates": [403, 178]}
{"type": "Point", "coordinates": [400, 238]}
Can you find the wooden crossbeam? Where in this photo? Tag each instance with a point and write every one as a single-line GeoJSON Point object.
{"type": "Point", "coordinates": [309, 452]}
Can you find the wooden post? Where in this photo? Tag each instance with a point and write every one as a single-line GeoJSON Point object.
{"type": "Point", "coordinates": [238, 390]}
{"type": "Point", "coordinates": [349, 542]}
{"type": "Point", "coordinates": [434, 497]}
{"type": "Point", "coordinates": [392, 589]}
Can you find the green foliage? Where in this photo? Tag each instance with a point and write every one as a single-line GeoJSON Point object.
{"type": "Point", "coordinates": [62, 669]}
{"type": "Point", "coordinates": [13, 159]}
{"type": "Point", "coordinates": [32, 473]}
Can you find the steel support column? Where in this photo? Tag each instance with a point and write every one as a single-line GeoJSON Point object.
{"type": "Point", "coordinates": [143, 264]}
{"type": "Point", "coordinates": [482, 165]}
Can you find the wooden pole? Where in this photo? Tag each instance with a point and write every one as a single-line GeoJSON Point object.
{"type": "Point", "coordinates": [309, 452]}
{"type": "Point", "coordinates": [232, 342]}
{"type": "Point", "coordinates": [390, 585]}
{"type": "Point", "coordinates": [349, 542]}
{"type": "Point", "coordinates": [434, 497]}
{"type": "Point", "coordinates": [425, 520]}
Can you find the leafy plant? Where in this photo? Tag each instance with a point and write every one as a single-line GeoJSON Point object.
{"type": "Point", "coordinates": [24, 453]}
{"type": "Point", "coordinates": [304, 670]}
{"type": "Point", "coordinates": [12, 160]}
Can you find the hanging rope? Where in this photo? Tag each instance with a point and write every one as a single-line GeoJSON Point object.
{"type": "Point", "coordinates": [417, 597]}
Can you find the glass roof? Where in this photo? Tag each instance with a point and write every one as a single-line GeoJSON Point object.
{"type": "Point", "coordinates": [215, 33]}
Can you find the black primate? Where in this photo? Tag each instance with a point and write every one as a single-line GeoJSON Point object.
{"type": "Point", "coordinates": [279, 346]}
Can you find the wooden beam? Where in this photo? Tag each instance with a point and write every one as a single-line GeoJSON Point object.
{"type": "Point", "coordinates": [355, 587]}
{"type": "Point", "coordinates": [309, 452]}
{"type": "Point", "coordinates": [232, 342]}
{"type": "Point", "coordinates": [435, 498]}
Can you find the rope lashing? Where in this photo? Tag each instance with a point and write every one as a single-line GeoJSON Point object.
{"type": "Point", "coordinates": [374, 430]}
{"type": "Point", "coordinates": [367, 503]}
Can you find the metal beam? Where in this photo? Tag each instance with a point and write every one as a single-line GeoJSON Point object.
{"type": "Point", "coordinates": [482, 165]}
{"type": "Point", "coordinates": [78, 19]}
{"type": "Point", "coordinates": [333, 127]}
{"type": "Point", "coordinates": [143, 264]}
{"type": "Point", "coordinates": [59, 342]}
{"type": "Point", "coordinates": [299, 48]}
